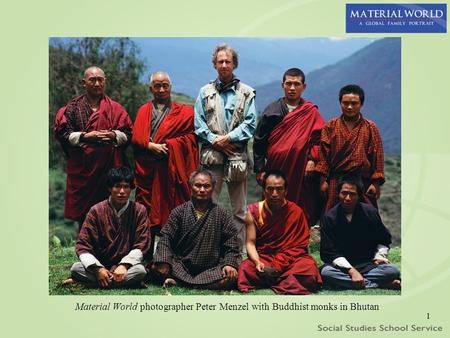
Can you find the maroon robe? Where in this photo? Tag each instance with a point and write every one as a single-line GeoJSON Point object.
{"type": "Point", "coordinates": [88, 164]}
{"type": "Point", "coordinates": [289, 144]}
{"type": "Point", "coordinates": [109, 238]}
{"type": "Point", "coordinates": [281, 243]}
{"type": "Point", "coordinates": [162, 183]}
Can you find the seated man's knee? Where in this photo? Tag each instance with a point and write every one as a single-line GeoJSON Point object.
{"type": "Point", "coordinates": [246, 264]}
{"type": "Point", "coordinates": [139, 272]}
{"type": "Point", "coordinates": [329, 271]}
{"type": "Point", "coordinates": [76, 268]}
{"type": "Point", "coordinates": [390, 271]}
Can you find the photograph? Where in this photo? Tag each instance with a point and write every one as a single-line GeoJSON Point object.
{"type": "Point", "coordinates": [288, 123]}
{"type": "Point", "coordinates": [235, 169]}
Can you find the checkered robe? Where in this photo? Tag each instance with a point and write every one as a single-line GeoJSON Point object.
{"type": "Point", "coordinates": [358, 152]}
{"type": "Point", "coordinates": [197, 250]}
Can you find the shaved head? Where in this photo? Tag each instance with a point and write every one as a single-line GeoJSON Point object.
{"type": "Point", "coordinates": [94, 82]}
{"type": "Point", "coordinates": [93, 70]}
{"type": "Point", "coordinates": [160, 75]}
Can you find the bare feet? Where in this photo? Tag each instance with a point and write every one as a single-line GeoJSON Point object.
{"type": "Point", "coordinates": [269, 273]}
{"type": "Point", "coordinates": [396, 284]}
{"type": "Point", "coordinates": [68, 282]}
{"type": "Point", "coordinates": [169, 282]}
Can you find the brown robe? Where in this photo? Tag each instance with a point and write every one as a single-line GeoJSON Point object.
{"type": "Point", "coordinates": [109, 237]}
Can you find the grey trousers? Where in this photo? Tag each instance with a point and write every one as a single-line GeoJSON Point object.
{"type": "Point", "coordinates": [381, 275]}
{"type": "Point", "coordinates": [134, 275]}
{"type": "Point", "coordinates": [237, 191]}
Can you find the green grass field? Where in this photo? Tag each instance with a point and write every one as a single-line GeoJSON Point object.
{"type": "Point", "coordinates": [61, 259]}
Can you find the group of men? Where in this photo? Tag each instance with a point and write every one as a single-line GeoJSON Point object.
{"type": "Point", "coordinates": [200, 243]}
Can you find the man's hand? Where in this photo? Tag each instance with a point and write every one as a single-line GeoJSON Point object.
{"type": "Point", "coordinates": [103, 276]}
{"type": "Point", "coordinates": [92, 136]}
{"type": "Point", "coordinates": [107, 136]}
{"type": "Point", "coordinates": [260, 266]}
{"type": "Point", "coordinates": [161, 268]}
{"type": "Point", "coordinates": [221, 141]}
{"type": "Point", "coordinates": [119, 273]}
{"type": "Point", "coordinates": [158, 149]}
{"type": "Point", "coordinates": [229, 149]}
{"type": "Point", "coordinates": [379, 261]}
{"type": "Point", "coordinates": [373, 191]}
{"type": "Point", "coordinates": [309, 170]}
{"type": "Point", "coordinates": [226, 148]}
{"type": "Point", "coordinates": [228, 272]}
{"type": "Point", "coordinates": [324, 188]}
{"type": "Point", "coordinates": [99, 136]}
{"type": "Point", "coordinates": [259, 177]}
{"type": "Point", "coordinates": [357, 278]}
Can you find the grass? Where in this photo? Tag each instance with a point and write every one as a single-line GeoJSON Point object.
{"type": "Point", "coordinates": [61, 259]}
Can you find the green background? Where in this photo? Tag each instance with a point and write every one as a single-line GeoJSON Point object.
{"type": "Point", "coordinates": [28, 310]}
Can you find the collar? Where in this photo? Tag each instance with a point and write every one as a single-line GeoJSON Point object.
{"type": "Point", "coordinates": [167, 105]}
{"type": "Point", "coordinates": [343, 214]}
{"type": "Point", "coordinates": [266, 206]}
{"type": "Point", "coordinates": [221, 87]}
{"type": "Point", "coordinates": [122, 210]}
{"type": "Point", "coordinates": [360, 117]}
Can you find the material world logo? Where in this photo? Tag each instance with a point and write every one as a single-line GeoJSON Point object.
{"type": "Point", "coordinates": [396, 18]}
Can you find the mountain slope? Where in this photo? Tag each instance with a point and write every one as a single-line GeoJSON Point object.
{"type": "Point", "coordinates": [376, 68]}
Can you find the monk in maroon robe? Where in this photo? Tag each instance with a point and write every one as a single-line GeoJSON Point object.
{"type": "Point", "coordinates": [94, 132]}
{"type": "Point", "coordinates": [277, 244]}
{"type": "Point", "coordinates": [351, 144]}
{"type": "Point", "coordinates": [166, 152]}
{"type": "Point", "coordinates": [287, 138]}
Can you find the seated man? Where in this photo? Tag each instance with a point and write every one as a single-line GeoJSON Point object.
{"type": "Point", "coordinates": [113, 238]}
{"type": "Point", "coordinates": [198, 246]}
{"type": "Point", "coordinates": [355, 242]}
{"type": "Point", "coordinates": [277, 244]}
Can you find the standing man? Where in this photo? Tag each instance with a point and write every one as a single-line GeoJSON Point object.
{"type": "Point", "coordinates": [114, 238]}
{"type": "Point", "coordinates": [277, 244]}
{"type": "Point", "coordinates": [198, 247]}
{"type": "Point", "coordinates": [225, 119]}
{"type": "Point", "coordinates": [355, 243]}
{"type": "Point", "coordinates": [351, 144]}
{"type": "Point", "coordinates": [287, 138]}
{"type": "Point", "coordinates": [93, 131]}
{"type": "Point", "coordinates": [166, 152]}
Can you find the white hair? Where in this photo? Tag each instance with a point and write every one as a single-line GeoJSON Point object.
{"type": "Point", "coordinates": [159, 72]}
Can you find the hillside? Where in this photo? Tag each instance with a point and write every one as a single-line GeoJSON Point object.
{"type": "Point", "coordinates": [261, 60]}
{"type": "Point", "coordinates": [377, 68]}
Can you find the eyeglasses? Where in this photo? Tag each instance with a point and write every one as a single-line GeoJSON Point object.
{"type": "Point", "coordinates": [93, 80]}
{"type": "Point", "coordinates": [290, 84]}
{"type": "Point", "coordinates": [158, 86]}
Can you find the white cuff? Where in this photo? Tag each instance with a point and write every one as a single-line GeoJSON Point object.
{"type": "Point", "coordinates": [134, 257]}
{"type": "Point", "coordinates": [121, 137]}
{"type": "Point", "coordinates": [88, 259]}
{"type": "Point", "coordinates": [342, 262]}
{"type": "Point", "coordinates": [74, 138]}
{"type": "Point", "coordinates": [382, 252]}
